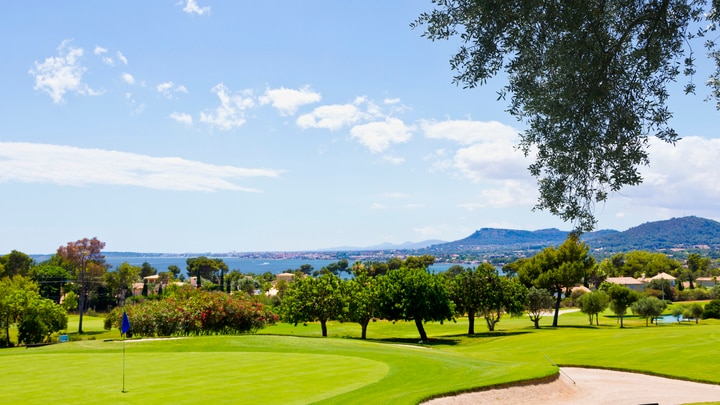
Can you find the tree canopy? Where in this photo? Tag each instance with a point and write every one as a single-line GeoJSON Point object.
{"type": "Point", "coordinates": [588, 78]}
{"type": "Point", "coordinates": [558, 269]}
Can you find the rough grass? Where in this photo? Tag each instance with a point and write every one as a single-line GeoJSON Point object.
{"type": "Point", "coordinates": [287, 364]}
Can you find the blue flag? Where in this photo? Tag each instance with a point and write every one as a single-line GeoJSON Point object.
{"type": "Point", "coordinates": [125, 324]}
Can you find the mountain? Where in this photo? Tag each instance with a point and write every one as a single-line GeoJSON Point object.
{"type": "Point", "coordinates": [676, 233]}
{"type": "Point", "coordinates": [489, 239]}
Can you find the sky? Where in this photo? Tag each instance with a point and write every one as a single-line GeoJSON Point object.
{"type": "Point", "coordinates": [218, 126]}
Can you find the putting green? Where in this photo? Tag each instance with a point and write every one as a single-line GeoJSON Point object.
{"type": "Point", "coordinates": [187, 377]}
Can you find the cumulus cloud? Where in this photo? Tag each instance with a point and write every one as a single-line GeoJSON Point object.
{"type": "Point", "coordinates": [287, 101]}
{"type": "Point", "coordinates": [466, 132]}
{"type": "Point", "coordinates": [122, 58]}
{"type": "Point", "coordinates": [58, 75]}
{"type": "Point", "coordinates": [169, 89]}
{"type": "Point", "coordinates": [377, 136]}
{"type": "Point", "coordinates": [681, 177]}
{"type": "Point", "coordinates": [504, 194]}
{"type": "Point", "coordinates": [128, 78]}
{"type": "Point", "coordinates": [231, 112]}
{"type": "Point", "coordinates": [71, 166]}
{"type": "Point", "coordinates": [191, 7]}
{"type": "Point", "coordinates": [331, 117]}
{"type": "Point", "coordinates": [182, 118]}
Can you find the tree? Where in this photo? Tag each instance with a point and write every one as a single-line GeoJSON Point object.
{"type": "Point", "coordinates": [414, 294]}
{"type": "Point", "coordinates": [311, 299]}
{"type": "Point", "coordinates": [539, 301]}
{"type": "Point", "coordinates": [694, 311]}
{"type": "Point", "coordinates": [175, 271]}
{"type": "Point", "coordinates": [466, 292]}
{"type": "Point", "coordinates": [363, 300]}
{"type": "Point", "coordinates": [86, 257]}
{"type": "Point", "coordinates": [621, 298]}
{"type": "Point", "coordinates": [648, 308]}
{"type": "Point", "coordinates": [593, 303]}
{"type": "Point", "coordinates": [712, 309]}
{"type": "Point", "coordinates": [558, 270]}
{"type": "Point", "coordinates": [120, 281]}
{"type": "Point", "coordinates": [147, 270]}
{"type": "Point", "coordinates": [36, 317]}
{"type": "Point", "coordinates": [482, 291]}
{"type": "Point", "coordinates": [589, 79]}
{"type": "Point", "coordinates": [51, 280]}
{"type": "Point", "coordinates": [15, 263]}
{"type": "Point", "coordinates": [204, 267]}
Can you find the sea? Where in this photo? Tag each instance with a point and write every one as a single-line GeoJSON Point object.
{"type": "Point", "coordinates": [244, 265]}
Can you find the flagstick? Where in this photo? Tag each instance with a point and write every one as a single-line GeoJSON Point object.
{"type": "Point", "coordinates": [123, 373]}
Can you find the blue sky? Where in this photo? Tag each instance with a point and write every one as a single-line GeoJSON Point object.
{"type": "Point", "coordinates": [215, 126]}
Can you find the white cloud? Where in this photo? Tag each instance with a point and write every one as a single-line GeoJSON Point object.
{"type": "Point", "coordinates": [684, 177]}
{"type": "Point", "coordinates": [191, 7]}
{"type": "Point", "coordinates": [128, 78]}
{"type": "Point", "coordinates": [182, 118]}
{"type": "Point", "coordinates": [230, 114]}
{"type": "Point", "coordinates": [287, 101]}
{"type": "Point", "coordinates": [504, 194]}
{"type": "Point", "coordinates": [122, 58]}
{"type": "Point", "coordinates": [466, 132]}
{"type": "Point", "coordinates": [377, 136]}
{"type": "Point", "coordinates": [168, 89]}
{"type": "Point", "coordinates": [491, 161]}
{"type": "Point", "coordinates": [60, 74]}
{"type": "Point", "coordinates": [394, 160]}
{"type": "Point", "coordinates": [99, 50]}
{"type": "Point", "coordinates": [71, 166]}
{"type": "Point", "coordinates": [331, 117]}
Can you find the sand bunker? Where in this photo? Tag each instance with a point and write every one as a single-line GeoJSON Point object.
{"type": "Point", "coordinates": [593, 386]}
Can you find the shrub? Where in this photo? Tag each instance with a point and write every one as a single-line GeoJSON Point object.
{"type": "Point", "coordinates": [712, 309]}
{"type": "Point", "coordinates": [194, 312]}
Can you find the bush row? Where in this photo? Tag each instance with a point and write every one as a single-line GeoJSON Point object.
{"type": "Point", "coordinates": [194, 312]}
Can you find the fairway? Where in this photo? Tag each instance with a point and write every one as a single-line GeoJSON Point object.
{"type": "Point", "coordinates": [287, 364]}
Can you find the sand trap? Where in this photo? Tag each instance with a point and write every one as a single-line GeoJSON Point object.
{"type": "Point", "coordinates": [593, 386]}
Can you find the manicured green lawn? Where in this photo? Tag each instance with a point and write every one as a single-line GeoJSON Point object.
{"type": "Point", "coordinates": [287, 364]}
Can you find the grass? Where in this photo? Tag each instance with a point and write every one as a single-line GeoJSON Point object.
{"type": "Point", "coordinates": [287, 364]}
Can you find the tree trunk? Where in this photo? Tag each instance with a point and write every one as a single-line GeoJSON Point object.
{"type": "Point", "coordinates": [536, 320]}
{"type": "Point", "coordinates": [421, 329]}
{"type": "Point", "coordinates": [557, 307]}
{"type": "Point", "coordinates": [597, 319]}
{"type": "Point", "coordinates": [621, 321]}
{"type": "Point", "coordinates": [82, 301]}
{"type": "Point", "coordinates": [323, 326]}
{"type": "Point", "coordinates": [364, 325]}
{"type": "Point", "coordinates": [471, 322]}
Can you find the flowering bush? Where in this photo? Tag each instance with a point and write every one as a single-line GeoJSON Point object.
{"type": "Point", "coordinates": [192, 312]}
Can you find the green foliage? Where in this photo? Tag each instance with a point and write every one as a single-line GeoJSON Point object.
{"type": "Point", "coordinates": [415, 294]}
{"type": "Point", "coordinates": [310, 299]}
{"type": "Point", "coordinates": [591, 100]}
{"type": "Point", "coordinates": [15, 263]}
{"type": "Point", "coordinates": [539, 301]}
{"type": "Point", "coordinates": [191, 311]}
{"type": "Point", "coordinates": [558, 270]}
{"type": "Point", "coordinates": [712, 309]}
{"type": "Point", "coordinates": [70, 302]}
{"type": "Point", "coordinates": [621, 298]}
{"type": "Point", "coordinates": [36, 317]}
{"type": "Point", "coordinates": [648, 308]}
{"type": "Point", "coordinates": [362, 293]}
{"type": "Point", "coordinates": [637, 263]}
{"type": "Point", "coordinates": [593, 303]}
{"type": "Point", "coordinates": [51, 280]}
{"type": "Point", "coordinates": [483, 292]}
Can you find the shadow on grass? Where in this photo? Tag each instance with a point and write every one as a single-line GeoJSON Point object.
{"type": "Point", "coordinates": [434, 341]}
